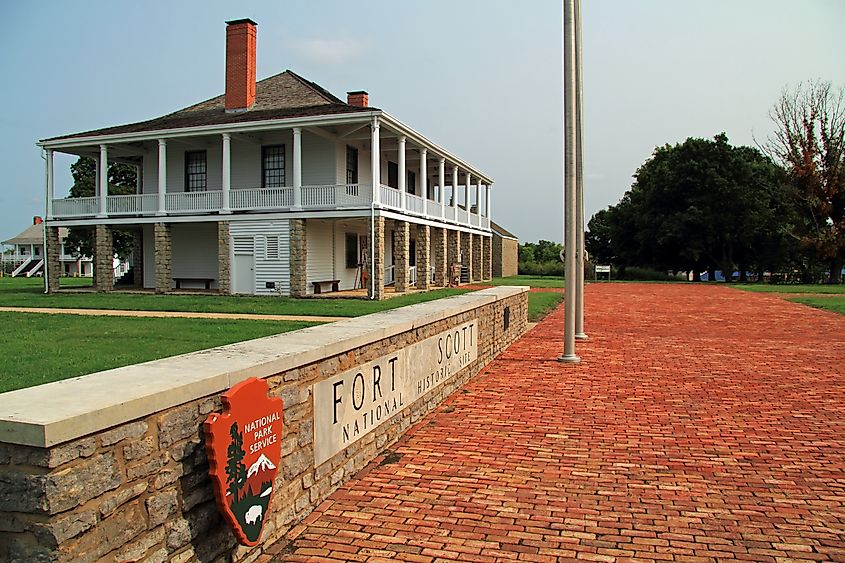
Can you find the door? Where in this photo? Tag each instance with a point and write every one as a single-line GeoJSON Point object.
{"type": "Point", "coordinates": [244, 266]}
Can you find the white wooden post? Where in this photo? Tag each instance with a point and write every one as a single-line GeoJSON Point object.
{"type": "Point", "coordinates": [162, 176]}
{"type": "Point", "coordinates": [49, 186]}
{"type": "Point", "coordinates": [403, 175]}
{"type": "Point", "coordinates": [424, 178]}
{"type": "Point", "coordinates": [454, 202]}
{"type": "Point", "coordinates": [297, 168]}
{"type": "Point", "coordinates": [441, 181]}
{"type": "Point", "coordinates": [375, 160]}
{"type": "Point", "coordinates": [104, 180]}
{"type": "Point", "coordinates": [466, 197]}
{"type": "Point", "coordinates": [227, 172]}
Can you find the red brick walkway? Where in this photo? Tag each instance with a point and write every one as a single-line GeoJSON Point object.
{"type": "Point", "coordinates": [703, 423]}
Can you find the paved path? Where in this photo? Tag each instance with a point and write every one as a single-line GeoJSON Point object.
{"type": "Point", "coordinates": [703, 423]}
{"type": "Point", "coordinates": [183, 314]}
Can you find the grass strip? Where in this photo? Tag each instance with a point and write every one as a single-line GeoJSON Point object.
{"type": "Point", "coordinates": [28, 293]}
{"type": "Point", "coordinates": [541, 304]}
{"type": "Point", "coordinates": [792, 288]}
{"type": "Point", "coordinates": [835, 303]}
{"type": "Point", "coordinates": [41, 348]}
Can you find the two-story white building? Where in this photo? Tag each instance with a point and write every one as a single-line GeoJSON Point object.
{"type": "Point", "coordinates": [278, 187]}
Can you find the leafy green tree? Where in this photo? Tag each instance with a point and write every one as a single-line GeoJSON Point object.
{"type": "Point", "coordinates": [701, 204]}
{"type": "Point", "coordinates": [809, 141]}
{"type": "Point", "coordinates": [80, 240]}
{"type": "Point", "coordinates": [235, 468]}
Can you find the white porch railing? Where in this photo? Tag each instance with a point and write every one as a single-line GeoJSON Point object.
{"type": "Point", "coordinates": [415, 204]}
{"type": "Point", "coordinates": [260, 198]}
{"type": "Point", "coordinates": [266, 199]}
{"type": "Point", "coordinates": [76, 207]}
{"type": "Point", "coordinates": [389, 273]}
{"type": "Point", "coordinates": [193, 202]}
{"type": "Point", "coordinates": [138, 204]}
{"type": "Point", "coordinates": [462, 216]}
{"type": "Point", "coordinates": [391, 197]}
{"type": "Point", "coordinates": [412, 276]}
{"type": "Point", "coordinates": [342, 195]}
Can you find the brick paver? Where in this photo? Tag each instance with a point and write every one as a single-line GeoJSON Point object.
{"type": "Point", "coordinates": [703, 423]}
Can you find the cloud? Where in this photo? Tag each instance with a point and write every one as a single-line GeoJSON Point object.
{"type": "Point", "coordinates": [331, 51]}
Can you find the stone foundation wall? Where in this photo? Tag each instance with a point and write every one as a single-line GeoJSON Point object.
{"type": "Point", "coordinates": [54, 266]}
{"type": "Point", "coordinates": [103, 258]}
{"type": "Point", "coordinates": [298, 258]}
{"type": "Point", "coordinates": [82, 487]}
{"type": "Point", "coordinates": [224, 257]}
{"type": "Point", "coordinates": [163, 257]}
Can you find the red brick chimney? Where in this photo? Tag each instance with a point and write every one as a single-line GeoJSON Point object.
{"type": "Point", "coordinates": [240, 64]}
{"type": "Point", "coordinates": [37, 220]}
{"type": "Point", "coordinates": [359, 98]}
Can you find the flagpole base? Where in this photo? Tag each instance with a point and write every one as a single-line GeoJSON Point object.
{"type": "Point", "coordinates": [581, 336]}
{"type": "Point", "coordinates": [569, 359]}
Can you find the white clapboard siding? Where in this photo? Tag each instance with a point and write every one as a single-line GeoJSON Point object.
{"type": "Point", "coordinates": [149, 257]}
{"type": "Point", "coordinates": [271, 241]}
{"type": "Point", "coordinates": [347, 275]}
{"type": "Point", "coordinates": [194, 252]}
{"type": "Point", "coordinates": [321, 251]}
{"type": "Point", "coordinates": [318, 161]}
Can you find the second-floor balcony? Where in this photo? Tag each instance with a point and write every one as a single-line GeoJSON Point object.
{"type": "Point", "coordinates": [283, 199]}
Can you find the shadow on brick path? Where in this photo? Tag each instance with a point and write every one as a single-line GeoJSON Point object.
{"type": "Point", "coordinates": [703, 423]}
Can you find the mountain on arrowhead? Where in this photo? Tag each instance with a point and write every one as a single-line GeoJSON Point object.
{"type": "Point", "coordinates": [260, 465]}
{"type": "Point", "coordinates": [260, 475]}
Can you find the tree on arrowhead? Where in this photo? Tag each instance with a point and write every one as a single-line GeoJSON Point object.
{"type": "Point", "coordinates": [235, 468]}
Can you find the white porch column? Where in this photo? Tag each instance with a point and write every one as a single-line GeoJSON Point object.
{"type": "Point", "coordinates": [441, 182]}
{"type": "Point", "coordinates": [489, 203]}
{"type": "Point", "coordinates": [403, 175]}
{"type": "Point", "coordinates": [454, 202]}
{"type": "Point", "coordinates": [227, 172]}
{"type": "Point", "coordinates": [49, 186]}
{"type": "Point", "coordinates": [466, 197]}
{"type": "Point", "coordinates": [104, 180]}
{"type": "Point", "coordinates": [297, 168]}
{"type": "Point", "coordinates": [424, 178]}
{"type": "Point", "coordinates": [376, 160]}
{"type": "Point", "coordinates": [162, 176]}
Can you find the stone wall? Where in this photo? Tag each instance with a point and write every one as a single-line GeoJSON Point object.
{"type": "Point", "coordinates": [163, 240]}
{"type": "Point", "coordinates": [298, 258]}
{"type": "Point", "coordinates": [505, 257]}
{"type": "Point", "coordinates": [123, 475]}
{"type": "Point", "coordinates": [54, 266]}
{"type": "Point", "coordinates": [401, 240]}
{"type": "Point", "coordinates": [103, 258]}
{"type": "Point", "coordinates": [224, 258]}
{"type": "Point", "coordinates": [423, 257]}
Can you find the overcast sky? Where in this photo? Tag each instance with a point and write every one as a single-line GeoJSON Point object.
{"type": "Point", "coordinates": [482, 78]}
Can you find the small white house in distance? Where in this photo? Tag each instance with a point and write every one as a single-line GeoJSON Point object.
{"type": "Point", "coordinates": [279, 187]}
{"type": "Point", "coordinates": [26, 258]}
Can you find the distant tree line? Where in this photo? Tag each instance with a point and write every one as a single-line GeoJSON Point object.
{"type": "Point", "coordinates": [705, 205]}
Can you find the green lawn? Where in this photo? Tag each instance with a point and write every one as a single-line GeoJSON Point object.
{"type": "Point", "coordinates": [22, 292]}
{"type": "Point", "coordinates": [39, 348]}
{"type": "Point", "coordinates": [833, 303]}
{"type": "Point", "coordinates": [789, 288]}
{"type": "Point", "coordinates": [541, 304]}
{"type": "Point", "coordinates": [533, 281]}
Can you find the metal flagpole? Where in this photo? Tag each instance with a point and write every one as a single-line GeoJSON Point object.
{"type": "Point", "coordinates": [579, 179]}
{"type": "Point", "coordinates": [569, 139]}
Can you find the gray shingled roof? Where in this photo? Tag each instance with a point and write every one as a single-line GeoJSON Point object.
{"type": "Point", "coordinates": [281, 96]}
{"type": "Point", "coordinates": [502, 232]}
{"type": "Point", "coordinates": [34, 234]}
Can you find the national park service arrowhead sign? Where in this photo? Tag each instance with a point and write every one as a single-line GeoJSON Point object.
{"type": "Point", "coordinates": [244, 446]}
